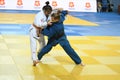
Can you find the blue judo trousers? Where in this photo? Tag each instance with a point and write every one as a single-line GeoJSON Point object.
{"type": "Point", "coordinates": [56, 36]}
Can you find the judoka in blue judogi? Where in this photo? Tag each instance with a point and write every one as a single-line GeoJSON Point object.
{"type": "Point", "coordinates": [56, 35]}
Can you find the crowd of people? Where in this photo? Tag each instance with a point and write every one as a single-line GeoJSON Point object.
{"type": "Point", "coordinates": [104, 6]}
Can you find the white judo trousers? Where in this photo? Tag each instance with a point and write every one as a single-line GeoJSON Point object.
{"type": "Point", "coordinates": [40, 21]}
{"type": "Point", "coordinates": [33, 43]}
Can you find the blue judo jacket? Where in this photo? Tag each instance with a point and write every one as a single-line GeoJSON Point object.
{"type": "Point", "coordinates": [56, 31]}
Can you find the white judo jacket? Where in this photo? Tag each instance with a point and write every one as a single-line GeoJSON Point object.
{"type": "Point", "coordinates": [40, 21]}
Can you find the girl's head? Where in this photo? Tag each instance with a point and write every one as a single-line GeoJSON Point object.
{"type": "Point", "coordinates": [47, 9]}
{"type": "Point", "coordinates": [55, 17]}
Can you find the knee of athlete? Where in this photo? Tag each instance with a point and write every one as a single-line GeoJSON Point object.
{"type": "Point", "coordinates": [43, 52]}
{"type": "Point", "coordinates": [64, 44]}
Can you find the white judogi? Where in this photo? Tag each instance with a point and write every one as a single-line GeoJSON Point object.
{"type": "Point", "coordinates": [40, 21]}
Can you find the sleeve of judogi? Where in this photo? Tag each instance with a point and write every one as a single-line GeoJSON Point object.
{"type": "Point", "coordinates": [63, 14]}
{"type": "Point", "coordinates": [48, 32]}
{"type": "Point", "coordinates": [39, 21]}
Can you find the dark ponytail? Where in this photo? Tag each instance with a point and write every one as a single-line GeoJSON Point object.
{"type": "Point", "coordinates": [47, 7]}
{"type": "Point", "coordinates": [47, 3]}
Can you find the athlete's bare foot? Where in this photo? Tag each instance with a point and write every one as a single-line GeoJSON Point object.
{"type": "Point", "coordinates": [82, 64]}
{"type": "Point", "coordinates": [35, 62]}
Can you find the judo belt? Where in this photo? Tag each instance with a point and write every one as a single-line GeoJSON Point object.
{"type": "Point", "coordinates": [56, 37]}
{"type": "Point", "coordinates": [40, 28]}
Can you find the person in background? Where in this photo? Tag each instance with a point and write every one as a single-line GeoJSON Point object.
{"type": "Point", "coordinates": [105, 5]}
{"type": "Point", "coordinates": [99, 6]}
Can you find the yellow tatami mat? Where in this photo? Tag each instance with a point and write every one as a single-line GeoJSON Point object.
{"type": "Point", "coordinates": [100, 54]}
{"type": "Point", "coordinates": [8, 18]}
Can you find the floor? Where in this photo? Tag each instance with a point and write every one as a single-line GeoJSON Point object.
{"type": "Point", "coordinates": [94, 36]}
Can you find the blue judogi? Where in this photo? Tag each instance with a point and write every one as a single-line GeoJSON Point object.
{"type": "Point", "coordinates": [56, 36]}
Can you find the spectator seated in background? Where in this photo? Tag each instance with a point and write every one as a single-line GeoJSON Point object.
{"type": "Point", "coordinates": [99, 6]}
{"type": "Point", "coordinates": [110, 7]}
